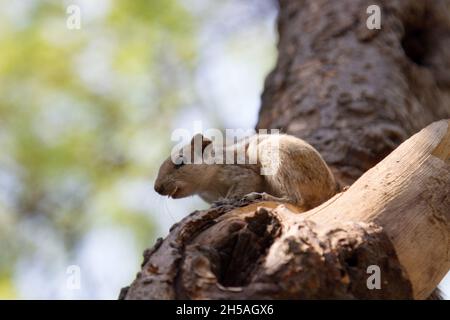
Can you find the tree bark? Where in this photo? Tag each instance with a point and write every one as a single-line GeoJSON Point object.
{"type": "Point", "coordinates": [355, 94]}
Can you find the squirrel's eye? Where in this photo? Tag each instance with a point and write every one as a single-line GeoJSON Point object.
{"type": "Point", "coordinates": [180, 161]}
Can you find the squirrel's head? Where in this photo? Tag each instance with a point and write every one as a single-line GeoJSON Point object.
{"type": "Point", "coordinates": [179, 176]}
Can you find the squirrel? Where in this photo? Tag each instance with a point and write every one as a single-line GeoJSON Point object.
{"type": "Point", "coordinates": [299, 174]}
{"type": "Point", "coordinates": [302, 176]}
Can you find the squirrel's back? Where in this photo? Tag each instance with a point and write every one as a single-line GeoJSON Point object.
{"type": "Point", "coordinates": [294, 169]}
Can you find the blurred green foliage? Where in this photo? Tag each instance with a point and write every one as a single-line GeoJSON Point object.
{"type": "Point", "coordinates": [77, 111]}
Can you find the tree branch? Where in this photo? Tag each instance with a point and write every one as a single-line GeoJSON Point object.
{"type": "Point", "coordinates": [395, 216]}
{"type": "Point", "coordinates": [354, 94]}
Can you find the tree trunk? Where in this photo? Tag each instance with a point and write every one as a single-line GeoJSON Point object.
{"type": "Point", "coordinates": [355, 94]}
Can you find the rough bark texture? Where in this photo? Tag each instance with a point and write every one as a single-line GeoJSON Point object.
{"type": "Point", "coordinates": [355, 95]}
{"type": "Point", "coordinates": [232, 260]}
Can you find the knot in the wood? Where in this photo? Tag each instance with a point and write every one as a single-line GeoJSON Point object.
{"type": "Point", "coordinates": [270, 253]}
{"type": "Point", "coordinates": [231, 256]}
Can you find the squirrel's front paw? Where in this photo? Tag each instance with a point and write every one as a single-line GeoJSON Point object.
{"type": "Point", "coordinates": [223, 202]}
{"type": "Point", "coordinates": [262, 196]}
{"type": "Point", "coordinates": [248, 198]}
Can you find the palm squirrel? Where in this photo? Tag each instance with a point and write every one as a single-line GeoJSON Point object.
{"type": "Point", "coordinates": [301, 177]}
{"type": "Point", "coordinates": [295, 171]}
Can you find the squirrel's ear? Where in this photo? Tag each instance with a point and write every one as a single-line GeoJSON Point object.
{"type": "Point", "coordinates": [199, 137]}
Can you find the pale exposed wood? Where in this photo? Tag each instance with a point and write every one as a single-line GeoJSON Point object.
{"type": "Point", "coordinates": [408, 195]}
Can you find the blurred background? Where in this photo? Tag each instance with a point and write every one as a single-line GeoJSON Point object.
{"type": "Point", "coordinates": [86, 117]}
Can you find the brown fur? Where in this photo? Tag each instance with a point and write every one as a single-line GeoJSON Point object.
{"type": "Point", "coordinates": [302, 176]}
